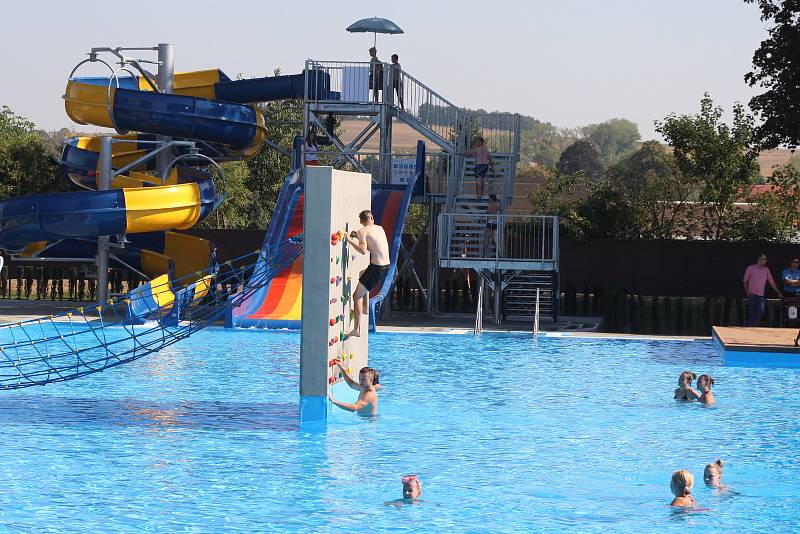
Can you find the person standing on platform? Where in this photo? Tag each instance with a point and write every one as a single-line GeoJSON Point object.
{"type": "Point", "coordinates": [375, 73]}
{"type": "Point", "coordinates": [755, 281]}
{"type": "Point", "coordinates": [397, 81]}
{"type": "Point", "coordinates": [311, 149]}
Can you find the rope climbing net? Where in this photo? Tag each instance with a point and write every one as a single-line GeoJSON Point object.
{"type": "Point", "coordinates": [88, 340]}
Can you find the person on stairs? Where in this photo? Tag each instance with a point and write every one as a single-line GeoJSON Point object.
{"type": "Point", "coordinates": [483, 160]}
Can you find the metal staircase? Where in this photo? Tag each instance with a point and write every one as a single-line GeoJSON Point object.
{"type": "Point", "coordinates": [515, 253]}
{"type": "Point", "coordinates": [520, 295]}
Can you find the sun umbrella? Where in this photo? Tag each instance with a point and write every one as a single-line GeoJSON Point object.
{"type": "Point", "coordinates": [375, 25]}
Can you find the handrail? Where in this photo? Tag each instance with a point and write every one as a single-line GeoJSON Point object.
{"type": "Point", "coordinates": [479, 312]}
{"type": "Point", "coordinates": [536, 315]}
{"type": "Point", "coordinates": [109, 107]}
{"type": "Point", "coordinates": [405, 74]}
{"type": "Point", "coordinates": [220, 196]}
{"type": "Point", "coordinates": [493, 238]}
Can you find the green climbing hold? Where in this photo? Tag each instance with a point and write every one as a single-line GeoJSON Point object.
{"type": "Point", "coordinates": [337, 260]}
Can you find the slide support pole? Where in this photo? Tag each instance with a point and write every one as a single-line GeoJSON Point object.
{"type": "Point", "coordinates": [166, 79]}
{"type": "Point", "coordinates": [102, 241]}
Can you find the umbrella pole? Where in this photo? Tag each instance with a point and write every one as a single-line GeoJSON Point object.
{"type": "Point", "coordinates": [374, 39]}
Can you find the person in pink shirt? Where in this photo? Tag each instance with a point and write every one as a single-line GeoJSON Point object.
{"type": "Point", "coordinates": [755, 281]}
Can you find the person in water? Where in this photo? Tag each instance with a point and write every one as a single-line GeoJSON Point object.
{"type": "Point", "coordinates": [684, 391]}
{"type": "Point", "coordinates": [712, 474]}
{"type": "Point", "coordinates": [412, 489]}
{"type": "Point", "coordinates": [704, 384]}
{"type": "Point", "coordinates": [367, 386]}
{"type": "Point", "coordinates": [681, 486]}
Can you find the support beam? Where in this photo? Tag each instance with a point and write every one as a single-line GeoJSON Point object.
{"type": "Point", "coordinates": [106, 144]}
{"type": "Point", "coordinates": [166, 79]}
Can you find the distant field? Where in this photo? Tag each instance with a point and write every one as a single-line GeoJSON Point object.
{"type": "Point", "coordinates": [404, 138]}
{"type": "Point", "coordinates": [771, 158]}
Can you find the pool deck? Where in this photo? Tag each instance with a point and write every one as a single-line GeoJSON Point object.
{"type": "Point", "coordinates": [757, 347]}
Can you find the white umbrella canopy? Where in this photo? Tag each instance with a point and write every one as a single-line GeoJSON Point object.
{"type": "Point", "coordinates": [374, 25]}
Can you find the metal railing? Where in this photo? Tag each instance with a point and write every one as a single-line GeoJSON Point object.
{"type": "Point", "coordinates": [359, 82]}
{"type": "Point", "coordinates": [514, 238]}
{"type": "Point", "coordinates": [437, 166]}
{"type": "Point", "coordinates": [479, 310]}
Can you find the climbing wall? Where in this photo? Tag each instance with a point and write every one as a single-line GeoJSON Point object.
{"type": "Point", "coordinates": [331, 269]}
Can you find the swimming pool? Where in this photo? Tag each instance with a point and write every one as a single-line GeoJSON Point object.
{"type": "Point", "coordinates": [508, 433]}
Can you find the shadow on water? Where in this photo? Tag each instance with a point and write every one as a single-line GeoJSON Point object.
{"type": "Point", "coordinates": [195, 415]}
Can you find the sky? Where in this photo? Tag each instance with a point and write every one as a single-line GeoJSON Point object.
{"type": "Point", "coordinates": [568, 62]}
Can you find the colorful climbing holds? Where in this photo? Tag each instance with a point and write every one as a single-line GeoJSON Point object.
{"type": "Point", "coordinates": [332, 322]}
{"type": "Point", "coordinates": [333, 279]}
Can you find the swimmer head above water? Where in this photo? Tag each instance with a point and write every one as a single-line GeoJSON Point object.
{"type": "Point", "coordinates": [412, 487]}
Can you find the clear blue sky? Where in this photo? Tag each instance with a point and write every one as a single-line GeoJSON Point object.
{"type": "Point", "coordinates": [569, 62]}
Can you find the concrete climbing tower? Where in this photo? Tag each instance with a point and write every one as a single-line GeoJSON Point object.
{"type": "Point", "coordinates": [331, 267]}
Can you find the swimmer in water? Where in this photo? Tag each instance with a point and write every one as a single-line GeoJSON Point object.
{"type": "Point", "coordinates": [681, 486]}
{"type": "Point", "coordinates": [412, 489]}
{"type": "Point", "coordinates": [367, 386]}
{"type": "Point", "coordinates": [704, 384]}
{"type": "Point", "coordinates": [712, 474]}
{"type": "Point", "coordinates": [684, 391]}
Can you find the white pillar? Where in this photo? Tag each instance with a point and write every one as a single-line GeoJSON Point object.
{"type": "Point", "coordinates": [333, 199]}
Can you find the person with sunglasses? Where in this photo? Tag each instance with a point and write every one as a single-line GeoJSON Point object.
{"type": "Point", "coordinates": [791, 278]}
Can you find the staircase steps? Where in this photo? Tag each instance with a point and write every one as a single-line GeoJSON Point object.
{"type": "Point", "coordinates": [520, 295]}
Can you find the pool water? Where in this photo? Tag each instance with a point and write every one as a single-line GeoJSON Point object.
{"type": "Point", "coordinates": [508, 433]}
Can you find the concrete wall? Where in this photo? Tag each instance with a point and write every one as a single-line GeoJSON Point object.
{"type": "Point", "coordinates": [333, 200]}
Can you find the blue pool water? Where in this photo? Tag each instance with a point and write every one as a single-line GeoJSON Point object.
{"type": "Point", "coordinates": [508, 433]}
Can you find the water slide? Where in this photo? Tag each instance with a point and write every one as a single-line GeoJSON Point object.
{"type": "Point", "coordinates": [278, 305]}
{"type": "Point", "coordinates": [140, 210]}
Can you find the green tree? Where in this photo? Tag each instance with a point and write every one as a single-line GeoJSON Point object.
{"type": "Point", "coordinates": [581, 156]}
{"type": "Point", "coordinates": [543, 143]}
{"type": "Point", "coordinates": [656, 189]}
{"type": "Point", "coordinates": [776, 69]}
{"type": "Point", "coordinates": [607, 212]}
{"type": "Point", "coordinates": [773, 213]}
{"type": "Point", "coordinates": [560, 194]}
{"type": "Point", "coordinates": [614, 139]}
{"type": "Point", "coordinates": [720, 158]}
{"type": "Point", "coordinates": [26, 168]}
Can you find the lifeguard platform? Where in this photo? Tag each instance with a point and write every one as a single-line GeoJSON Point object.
{"type": "Point", "coordinates": [522, 257]}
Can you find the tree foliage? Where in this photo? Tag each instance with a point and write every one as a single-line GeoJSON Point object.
{"type": "Point", "coordinates": [543, 143]}
{"type": "Point", "coordinates": [581, 157]}
{"type": "Point", "coordinates": [656, 188]}
{"type": "Point", "coordinates": [614, 139]}
{"type": "Point", "coordinates": [26, 168]}
{"type": "Point", "coordinates": [720, 158]}
{"type": "Point", "coordinates": [773, 213]}
{"type": "Point", "coordinates": [776, 69]}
